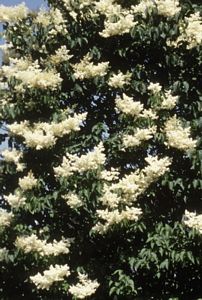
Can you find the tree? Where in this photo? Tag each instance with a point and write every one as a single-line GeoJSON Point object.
{"type": "Point", "coordinates": [100, 183]}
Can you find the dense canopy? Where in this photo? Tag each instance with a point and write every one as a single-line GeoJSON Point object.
{"type": "Point", "coordinates": [101, 159]}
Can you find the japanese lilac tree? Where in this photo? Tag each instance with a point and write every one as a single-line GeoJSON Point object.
{"type": "Point", "coordinates": [100, 181]}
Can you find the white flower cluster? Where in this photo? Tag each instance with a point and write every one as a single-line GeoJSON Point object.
{"type": "Point", "coordinates": [126, 105]}
{"type": "Point", "coordinates": [135, 184]}
{"type": "Point", "coordinates": [140, 135]}
{"type": "Point", "coordinates": [33, 244]}
{"type": "Point", "coordinates": [87, 69]}
{"type": "Point", "coordinates": [28, 182]}
{"type": "Point", "coordinates": [177, 136]}
{"type": "Point", "coordinates": [167, 8]}
{"type": "Point", "coordinates": [12, 14]}
{"type": "Point", "coordinates": [118, 20]}
{"type": "Point", "coordinates": [61, 55]}
{"type": "Point", "coordinates": [193, 220]}
{"type": "Point", "coordinates": [3, 86]}
{"type": "Point", "coordinates": [82, 3]}
{"type": "Point", "coordinates": [16, 64]}
{"type": "Point", "coordinates": [5, 217]}
{"type": "Point", "coordinates": [193, 31]}
{"type": "Point", "coordinates": [142, 7]}
{"type": "Point", "coordinates": [84, 7]}
{"type": "Point", "coordinates": [109, 8]}
{"type": "Point", "coordinates": [119, 80]}
{"type": "Point", "coordinates": [115, 217]}
{"type": "Point", "coordinates": [3, 253]}
{"type": "Point", "coordinates": [72, 200]}
{"type": "Point", "coordinates": [110, 198]}
{"type": "Point", "coordinates": [148, 114]}
{"type": "Point", "coordinates": [154, 88]}
{"type": "Point", "coordinates": [190, 32]}
{"type": "Point", "coordinates": [109, 175]}
{"type": "Point", "coordinates": [84, 288]}
{"type": "Point", "coordinates": [54, 19]}
{"type": "Point", "coordinates": [123, 25]}
{"type": "Point", "coordinates": [126, 191]}
{"type": "Point", "coordinates": [13, 156]}
{"type": "Point", "coordinates": [44, 135]}
{"type": "Point", "coordinates": [72, 163]}
{"type": "Point", "coordinates": [15, 200]}
{"type": "Point", "coordinates": [53, 274]}
{"type": "Point", "coordinates": [31, 75]}
{"type": "Point", "coordinates": [156, 168]}
{"type": "Point", "coordinates": [169, 101]}
{"type": "Point", "coordinates": [18, 128]}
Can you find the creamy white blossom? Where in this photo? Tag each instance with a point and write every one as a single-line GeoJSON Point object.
{"type": "Point", "coordinates": [53, 274]}
{"type": "Point", "coordinates": [167, 8]}
{"type": "Point", "coordinates": [193, 31]}
{"type": "Point", "coordinates": [39, 139]}
{"type": "Point", "coordinates": [87, 69]}
{"type": "Point", "coordinates": [115, 217]}
{"type": "Point", "coordinates": [118, 20]}
{"type": "Point", "coordinates": [30, 244]}
{"type": "Point", "coordinates": [61, 55]}
{"type": "Point", "coordinates": [28, 182]}
{"type": "Point", "coordinates": [169, 101]}
{"type": "Point", "coordinates": [33, 244]}
{"type": "Point", "coordinates": [190, 32]}
{"type": "Point", "coordinates": [119, 80]}
{"type": "Point", "coordinates": [109, 198]}
{"type": "Point", "coordinates": [84, 288]}
{"type": "Point", "coordinates": [142, 7]}
{"type": "Point", "coordinates": [12, 14]}
{"type": "Point", "coordinates": [16, 65]}
{"type": "Point", "coordinates": [148, 113]}
{"type": "Point", "coordinates": [74, 6]}
{"type": "Point", "coordinates": [31, 75]}
{"type": "Point", "coordinates": [123, 25]}
{"type": "Point", "coordinates": [140, 135]}
{"type": "Point", "coordinates": [3, 86]}
{"type": "Point", "coordinates": [53, 18]}
{"type": "Point", "coordinates": [193, 220]}
{"type": "Point", "coordinates": [109, 8]}
{"type": "Point", "coordinates": [154, 88]}
{"type": "Point", "coordinates": [127, 105]}
{"type": "Point", "coordinates": [18, 128]}
{"type": "Point", "coordinates": [72, 163]}
{"type": "Point", "coordinates": [5, 217]}
{"type": "Point", "coordinates": [109, 175]}
{"type": "Point", "coordinates": [13, 156]}
{"type": "Point", "coordinates": [177, 136]}
{"type": "Point", "coordinates": [44, 135]}
{"type": "Point", "coordinates": [73, 200]}
{"type": "Point", "coordinates": [156, 167]}
{"type": "Point", "coordinates": [15, 200]}
{"type": "Point", "coordinates": [134, 184]}
{"type": "Point", "coordinates": [126, 191]}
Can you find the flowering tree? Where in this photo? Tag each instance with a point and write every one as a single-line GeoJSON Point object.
{"type": "Point", "coordinates": [100, 182]}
